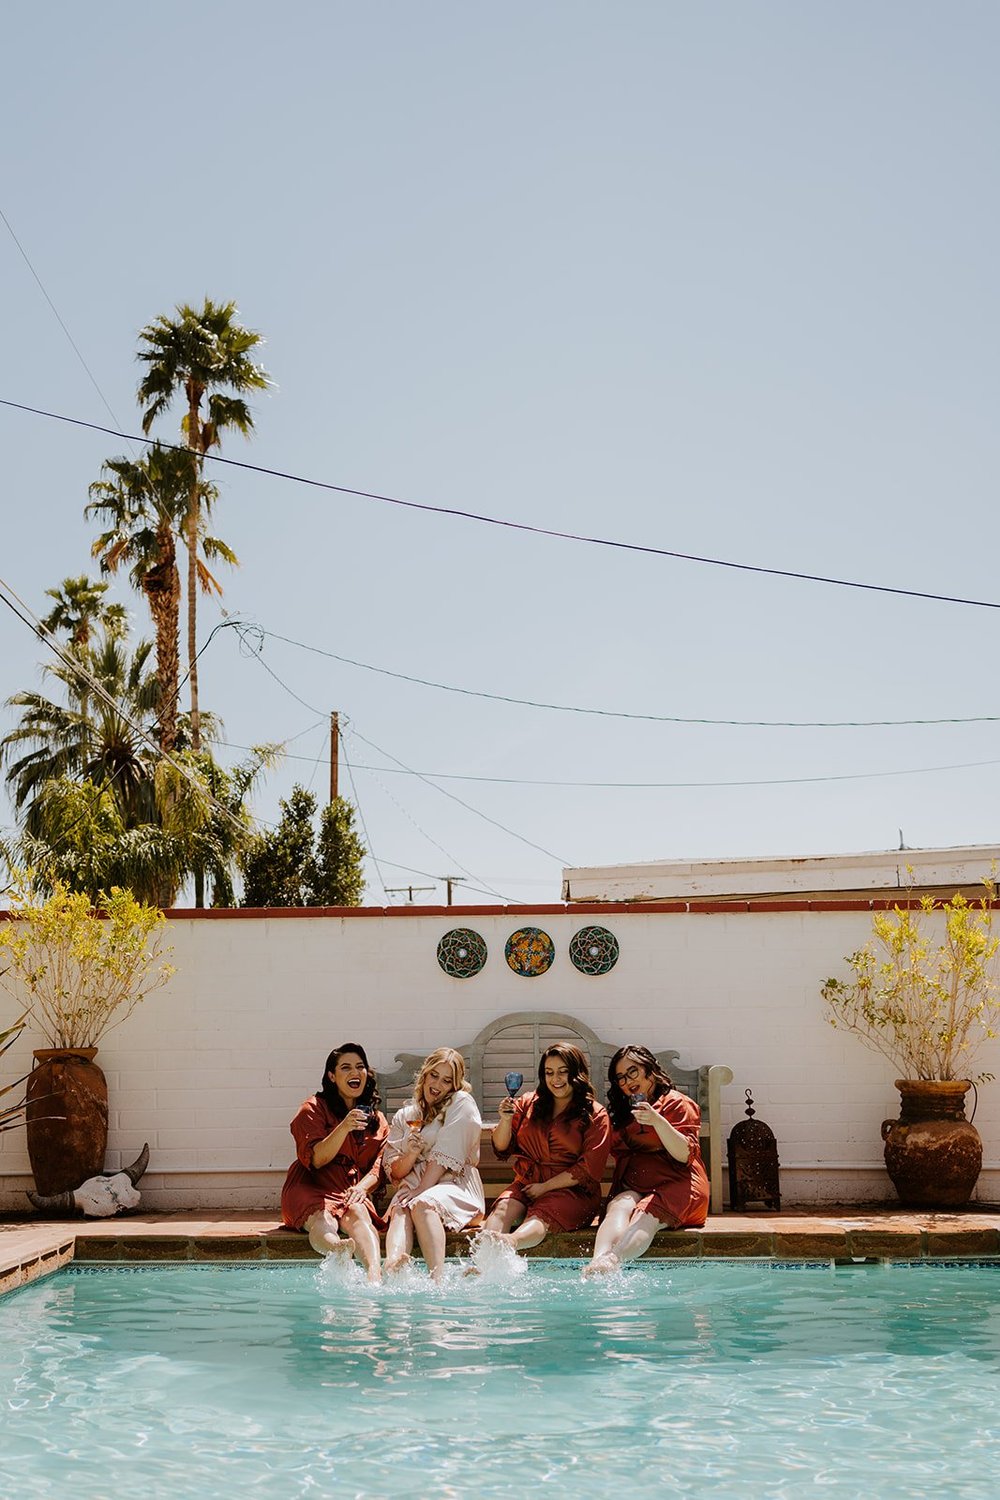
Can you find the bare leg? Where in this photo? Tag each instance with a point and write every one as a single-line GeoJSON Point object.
{"type": "Point", "coordinates": [610, 1231]}
{"type": "Point", "coordinates": [323, 1236]}
{"type": "Point", "coordinates": [365, 1242]}
{"type": "Point", "coordinates": [531, 1231]}
{"type": "Point", "coordinates": [431, 1235]}
{"type": "Point", "coordinates": [398, 1241]}
{"type": "Point", "coordinates": [638, 1237]}
{"type": "Point", "coordinates": [504, 1217]}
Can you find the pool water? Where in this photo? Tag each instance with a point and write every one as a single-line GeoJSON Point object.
{"type": "Point", "coordinates": [687, 1380]}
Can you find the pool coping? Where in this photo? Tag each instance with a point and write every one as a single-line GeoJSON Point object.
{"type": "Point", "coordinates": [33, 1248]}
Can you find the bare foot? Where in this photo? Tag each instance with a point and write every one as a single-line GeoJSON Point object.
{"type": "Point", "coordinates": [601, 1265]}
{"type": "Point", "coordinates": [397, 1263]}
{"type": "Point", "coordinates": [489, 1237]}
{"type": "Point", "coordinates": [472, 1271]}
{"type": "Point", "coordinates": [340, 1249]}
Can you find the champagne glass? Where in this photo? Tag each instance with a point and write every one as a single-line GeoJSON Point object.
{"type": "Point", "coordinates": [413, 1126]}
{"type": "Point", "coordinates": [512, 1082]}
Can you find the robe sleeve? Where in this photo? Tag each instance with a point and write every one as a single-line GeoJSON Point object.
{"type": "Point", "coordinates": [310, 1126]}
{"type": "Point", "coordinates": [685, 1116]}
{"type": "Point", "coordinates": [517, 1119]}
{"type": "Point", "coordinates": [589, 1169]}
{"type": "Point", "coordinates": [457, 1143]}
{"type": "Point", "coordinates": [396, 1141]}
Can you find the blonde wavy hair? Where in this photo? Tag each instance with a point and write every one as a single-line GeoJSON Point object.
{"type": "Point", "coordinates": [457, 1064]}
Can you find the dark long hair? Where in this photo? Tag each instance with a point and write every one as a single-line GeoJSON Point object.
{"type": "Point", "coordinates": [618, 1105]}
{"type": "Point", "coordinates": [583, 1100]}
{"type": "Point", "coordinates": [328, 1090]}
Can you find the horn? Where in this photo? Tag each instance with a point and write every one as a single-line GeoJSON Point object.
{"type": "Point", "coordinates": [55, 1202]}
{"type": "Point", "coordinates": [135, 1171]}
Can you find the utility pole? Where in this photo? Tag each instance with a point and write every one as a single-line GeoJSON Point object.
{"type": "Point", "coordinates": [451, 880]}
{"type": "Point", "coordinates": [334, 754]}
{"type": "Point", "coordinates": [397, 890]}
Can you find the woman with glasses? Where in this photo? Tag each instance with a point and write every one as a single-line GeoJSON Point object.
{"type": "Point", "coordinates": [339, 1133]}
{"type": "Point", "coordinates": [659, 1179]}
{"type": "Point", "coordinates": [559, 1137]}
{"type": "Point", "coordinates": [432, 1154]}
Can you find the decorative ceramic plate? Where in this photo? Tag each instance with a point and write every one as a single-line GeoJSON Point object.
{"type": "Point", "coordinates": [593, 950]}
{"type": "Point", "coordinates": [461, 952]}
{"type": "Point", "coordinates": [529, 952]}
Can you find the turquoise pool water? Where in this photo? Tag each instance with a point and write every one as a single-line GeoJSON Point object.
{"type": "Point", "coordinates": [733, 1379]}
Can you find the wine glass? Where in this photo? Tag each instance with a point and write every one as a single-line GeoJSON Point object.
{"type": "Point", "coordinates": [366, 1110]}
{"type": "Point", "coordinates": [512, 1082]}
{"type": "Point", "coordinates": [636, 1099]}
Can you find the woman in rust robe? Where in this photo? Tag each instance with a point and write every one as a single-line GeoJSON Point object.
{"type": "Point", "coordinates": [659, 1179]}
{"type": "Point", "coordinates": [339, 1134]}
{"type": "Point", "coordinates": [559, 1137]}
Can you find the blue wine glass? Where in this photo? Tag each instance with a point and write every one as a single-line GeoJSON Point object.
{"type": "Point", "coordinates": [636, 1099]}
{"type": "Point", "coordinates": [512, 1082]}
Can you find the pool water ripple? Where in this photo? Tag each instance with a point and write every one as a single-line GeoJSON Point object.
{"type": "Point", "coordinates": [696, 1380]}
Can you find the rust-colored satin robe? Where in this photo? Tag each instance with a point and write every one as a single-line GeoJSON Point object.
{"type": "Point", "coordinates": [308, 1188]}
{"type": "Point", "coordinates": [544, 1148]}
{"type": "Point", "coordinates": [675, 1192]}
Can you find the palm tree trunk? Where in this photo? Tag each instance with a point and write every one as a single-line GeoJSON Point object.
{"type": "Point", "coordinates": [162, 589]}
{"type": "Point", "coordinates": [191, 539]}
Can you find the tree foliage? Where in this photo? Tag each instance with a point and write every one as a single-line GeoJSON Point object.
{"type": "Point", "coordinates": [202, 356]}
{"type": "Point", "coordinates": [293, 866]}
{"type": "Point", "coordinates": [80, 971]}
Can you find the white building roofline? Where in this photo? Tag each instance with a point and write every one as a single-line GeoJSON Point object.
{"type": "Point", "coordinates": [879, 872]}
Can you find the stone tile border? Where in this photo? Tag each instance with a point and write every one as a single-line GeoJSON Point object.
{"type": "Point", "coordinates": [32, 1249]}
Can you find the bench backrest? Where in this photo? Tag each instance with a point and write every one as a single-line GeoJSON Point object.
{"type": "Point", "coordinates": [517, 1040]}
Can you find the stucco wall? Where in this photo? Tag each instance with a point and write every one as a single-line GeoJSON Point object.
{"type": "Point", "coordinates": [211, 1068]}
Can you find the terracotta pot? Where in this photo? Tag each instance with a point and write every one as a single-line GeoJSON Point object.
{"type": "Point", "coordinates": [66, 1118]}
{"type": "Point", "coordinates": [932, 1152]}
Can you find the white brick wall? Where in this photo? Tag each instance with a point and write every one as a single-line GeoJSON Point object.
{"type": "Point", "coordinates": [211, 1068]}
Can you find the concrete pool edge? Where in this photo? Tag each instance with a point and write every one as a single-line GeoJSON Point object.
{"type": "Point", "coordinates": [30, 1249]}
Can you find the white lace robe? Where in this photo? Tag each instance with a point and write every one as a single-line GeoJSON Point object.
{"type": "Point", "coordinates": [451, 1142]}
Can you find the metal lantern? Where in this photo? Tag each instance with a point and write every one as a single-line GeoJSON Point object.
{"type": "Point", "coordinates": [753, 1163]}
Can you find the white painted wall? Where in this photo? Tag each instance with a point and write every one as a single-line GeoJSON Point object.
{"type": "Point", "coordinates": [211, 1068]}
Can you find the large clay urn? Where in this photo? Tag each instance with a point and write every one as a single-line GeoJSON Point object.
{"type": "Point", "coordinates": [932, 1152]}
{"type": "Point", "coordinates": [66, 1117]}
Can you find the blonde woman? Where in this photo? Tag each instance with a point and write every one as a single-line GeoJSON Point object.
{"type": "Point", "coordinates": [432, 1154]}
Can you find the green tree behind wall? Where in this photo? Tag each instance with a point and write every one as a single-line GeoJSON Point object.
{"type": "Point", "coordinates": [293, 866]}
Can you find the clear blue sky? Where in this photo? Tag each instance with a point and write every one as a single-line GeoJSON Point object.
{"type": "Point", "coordinates": [717, 279]}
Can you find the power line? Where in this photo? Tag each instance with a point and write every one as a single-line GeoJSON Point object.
{"type": "Point", "coordinates": [90, 374]}
{"type": "Point", "coordinates": [424, 834]}
{"type": "Point", "coordinates": [72, 664]}
{"type": "Point", "coordinates": [469, 808]}
{"type": "Point", "coordinates": [522, 526]}
{"type": "Point", "coordinates": [609, 713]}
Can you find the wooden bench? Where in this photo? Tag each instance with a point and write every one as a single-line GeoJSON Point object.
{"type": "Point", "coordinates": [516, 1042]}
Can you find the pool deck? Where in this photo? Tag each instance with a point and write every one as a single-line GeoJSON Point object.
{"type": "Point", "coordinates": [30, 1248]}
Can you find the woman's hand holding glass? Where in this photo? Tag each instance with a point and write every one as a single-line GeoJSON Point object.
{"type": "Point", "coordinates": [643, 1112]}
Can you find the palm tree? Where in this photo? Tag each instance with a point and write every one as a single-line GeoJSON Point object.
{"type": "Point", "coordinates": [146, 502]}
{"type": "Point", "coordinates": [80, 608]}
{"type": "Point", "coordinates": [95, 737]}
{"type": "Point", "coordinates": [204, 355]}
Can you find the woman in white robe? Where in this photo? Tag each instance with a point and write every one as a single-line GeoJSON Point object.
{"type": "Point", "coordinates": [432, 1156]}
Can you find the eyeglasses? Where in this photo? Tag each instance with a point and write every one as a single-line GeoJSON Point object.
{"type": "Point", "coordinates": [628, 1077]}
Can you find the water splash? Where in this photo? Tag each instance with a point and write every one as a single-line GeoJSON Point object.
{"type": "Point", "coordinates": [496, 1261]}
{"type": "Point", "coordinates": [336, 1272]}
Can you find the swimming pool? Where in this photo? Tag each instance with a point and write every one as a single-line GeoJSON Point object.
{"type": "Point", "coordinates": [706, 1379]}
